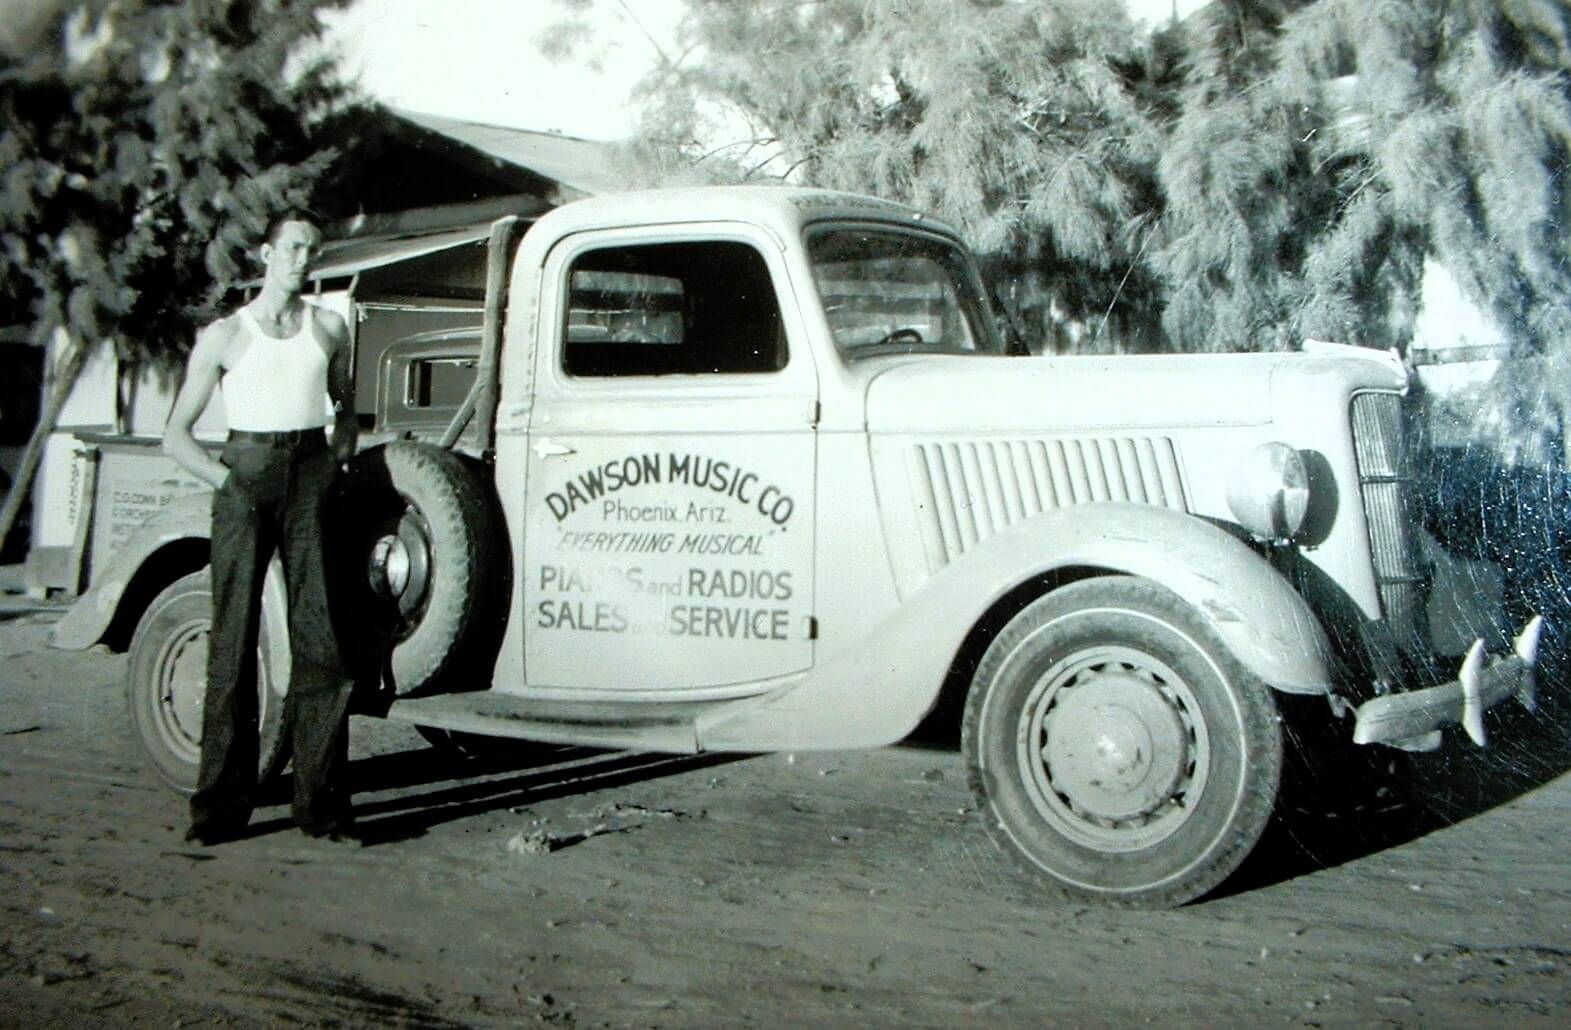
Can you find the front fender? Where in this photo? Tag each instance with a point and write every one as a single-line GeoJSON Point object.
{"type": "Point", "coordinates": [1257, 614]}
{"type": "Point", "coordinates": [878, 688]}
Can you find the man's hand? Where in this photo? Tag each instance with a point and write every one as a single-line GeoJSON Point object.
{"type": "Point", "coordinates": [201, 376]}
{"type": "Point", "coordinates": [340, 387]}
{"type": "Point", "coordinates": [346, 434]}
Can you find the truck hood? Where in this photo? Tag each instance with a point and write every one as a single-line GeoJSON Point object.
{"type": "Point", "coordinates": [971, 394]}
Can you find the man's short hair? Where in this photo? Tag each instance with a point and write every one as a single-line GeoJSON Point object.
{"type": "Point", "coordinates": [275, 224]}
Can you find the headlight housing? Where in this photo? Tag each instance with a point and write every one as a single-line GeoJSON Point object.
{"type": "Point", "coordinates": [1269, 492]}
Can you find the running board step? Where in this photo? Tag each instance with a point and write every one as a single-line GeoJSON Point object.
{"type": "Point", "coordinates": [671, 728]}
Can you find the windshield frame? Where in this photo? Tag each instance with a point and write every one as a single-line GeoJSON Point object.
{"type": "Point", "coordinates": [971, 295]}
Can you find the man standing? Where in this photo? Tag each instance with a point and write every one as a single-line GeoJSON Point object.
{"type": "Point", "coordinates": [278, 360]}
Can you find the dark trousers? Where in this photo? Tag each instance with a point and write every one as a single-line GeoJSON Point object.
{"type": "Point", "coordinates": [273, 500]}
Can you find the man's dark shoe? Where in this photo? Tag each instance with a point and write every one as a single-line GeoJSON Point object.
{"type": "Point", "coordinates": [207, 836]}
{"type": "Point", "coordinates": [340, 832]}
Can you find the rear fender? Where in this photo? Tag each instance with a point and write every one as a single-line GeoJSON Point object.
{"type": "Point", "coordinates": [144, 559]}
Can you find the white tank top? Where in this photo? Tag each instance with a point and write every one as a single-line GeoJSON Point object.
{"type": "Point", "coordinates": [277, 385]}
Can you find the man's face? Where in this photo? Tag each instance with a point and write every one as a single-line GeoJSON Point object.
{"type": "Point", "coordinates": [288, 257]}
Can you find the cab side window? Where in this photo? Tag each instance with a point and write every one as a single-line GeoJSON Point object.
{"type": "Point", "coordinates": [672, 309]}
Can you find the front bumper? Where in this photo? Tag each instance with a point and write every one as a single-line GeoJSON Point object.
{"type": "Point", "coordinates": [1412, 720]}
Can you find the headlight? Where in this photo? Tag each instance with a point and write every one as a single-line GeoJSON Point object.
{"type": "Point", "coordinates": [1269, 492]}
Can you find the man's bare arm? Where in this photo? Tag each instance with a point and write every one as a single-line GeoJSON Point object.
{"type": "Point", "coordinates": [201, 375]}
{"type": "Point", "coordinates": [340, 385]}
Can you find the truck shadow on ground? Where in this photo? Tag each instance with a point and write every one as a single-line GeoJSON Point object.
{"type": "Point", "coordinates": [1341, 802]}
{"type": "Point", "coordinates": [463, 786]}
{"type": "Point", "coordinates": [1353, 803]}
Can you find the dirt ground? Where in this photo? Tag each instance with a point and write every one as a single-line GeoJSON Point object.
{"type": "Point", "coordinates": [614, 889]}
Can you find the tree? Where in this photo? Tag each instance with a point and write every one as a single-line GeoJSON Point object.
{"type": "Point", "coordinates": [144, 146]}
{"type": "Point", "coordinates": [1326, 149]}
{"type": "Point", "coordinates": [1225, 254]}
{"type": "Point", "coordinates": [1034, 127]}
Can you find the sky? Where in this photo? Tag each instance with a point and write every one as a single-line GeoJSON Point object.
{"type": "Point", "coordinates": [480, 59]}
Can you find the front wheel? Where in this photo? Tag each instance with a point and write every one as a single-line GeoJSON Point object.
{"type": "Point", "coordinates": [1117, 749]}
{"type": "Point", "coordinates": [168, 684]}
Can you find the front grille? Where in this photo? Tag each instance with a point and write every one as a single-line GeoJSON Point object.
{"type": "Point", "coordinates": [968, 490]}
{"type": "Point", "coordinates": [1385, 489]}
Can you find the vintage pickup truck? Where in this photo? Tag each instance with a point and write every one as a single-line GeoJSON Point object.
{"type": "Point", "coordinates": [746, 469]}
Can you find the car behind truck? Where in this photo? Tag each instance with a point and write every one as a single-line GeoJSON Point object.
{"type": "Point", "coordinates": [746, 469]}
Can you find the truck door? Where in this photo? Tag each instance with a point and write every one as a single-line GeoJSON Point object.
{"type": "Point", "coordinates": [670, 490]}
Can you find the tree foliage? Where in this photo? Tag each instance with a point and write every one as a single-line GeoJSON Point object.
{"type": "Point", "coordinates": [144, 146]}
{"type": "Point", "coordinates": [1326, 149]}
{"type": "Point", "coordinates": [1034, 127]}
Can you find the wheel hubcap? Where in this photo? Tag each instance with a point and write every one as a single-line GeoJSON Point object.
{"type": "Point", "coordinates": [399, 569]}
{"type": "Point", "coordinates": [181, 690]}
{"type": "Point", "coordinates": [1112, 750]}
{"type": "Point", "coordinates": [183, 677]}
{"type": "Point", "coordinates": [1118, 750]}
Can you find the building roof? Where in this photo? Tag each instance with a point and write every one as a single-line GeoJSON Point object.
{"type": "Point", "coordinates": [351, 256]}
{"type": "Point", "coordinates": [516, 171]}
{"type": "Point", "coordinates": [579, 166]}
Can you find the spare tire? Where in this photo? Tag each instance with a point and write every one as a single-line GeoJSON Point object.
{"type": "Point", "coordinates": [421, 573]}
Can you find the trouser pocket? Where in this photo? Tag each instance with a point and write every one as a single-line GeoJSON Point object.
{"type": "Point", "coordinates": [250, 464]}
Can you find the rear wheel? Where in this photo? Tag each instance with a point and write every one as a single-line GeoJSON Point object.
{"type": "Point", "coordinates": [168, 684]}
{"type": "Point", "coordinates": [1117, 749]}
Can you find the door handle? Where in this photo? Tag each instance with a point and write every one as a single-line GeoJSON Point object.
{"type": "Point", "coordinates": [548, 449]}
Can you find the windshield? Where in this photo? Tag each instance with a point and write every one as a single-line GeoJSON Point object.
{"type": "Point", "coordinates": [886, 291]}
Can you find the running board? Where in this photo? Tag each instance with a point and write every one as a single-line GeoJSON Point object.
{"type": "Point", "coordinates": [670, 728]}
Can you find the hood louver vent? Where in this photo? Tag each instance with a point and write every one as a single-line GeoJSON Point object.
{"type": "Point", "coordinates": [967, 491]}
